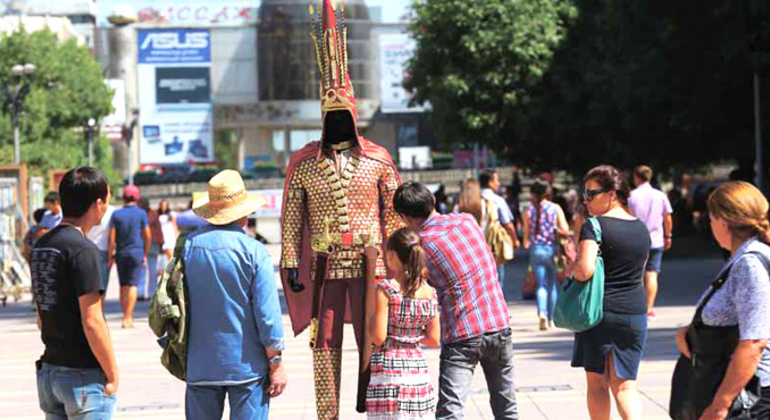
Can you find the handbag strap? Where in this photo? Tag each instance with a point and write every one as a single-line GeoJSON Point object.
{"type": "Point", "coordinates": [597, 230]}
{"type": "Point", "coordinates": [718, 283]}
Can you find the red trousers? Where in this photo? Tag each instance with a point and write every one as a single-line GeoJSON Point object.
{"type": "Point", "coordinates": [336, 294]}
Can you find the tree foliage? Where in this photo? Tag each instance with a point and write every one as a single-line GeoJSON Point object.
{"type": "Point", "coordinates": [477, 62]}
{"type": "Point", "coordinates": [66, 90]}
{"type": "Point", "coordinates": [574, 83]}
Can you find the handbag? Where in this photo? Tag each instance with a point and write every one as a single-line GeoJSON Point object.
{"type": "Point", "coordinates": [498, 239]}
{"type": "Point", "coordinates": [580, 305]}
{"type": "Point", "coordinates": [695, 381]}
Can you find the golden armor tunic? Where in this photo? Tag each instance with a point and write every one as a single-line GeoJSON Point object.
{"type": "Point", "coordinates": [341, 211]}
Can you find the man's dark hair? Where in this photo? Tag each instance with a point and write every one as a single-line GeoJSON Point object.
{"type": "Point", "coordinates": [52, 197]}
{"type": "Point", "coordinates": [414, 200]}
{"type": "Point", "coordinates": [486, 177]}
{"type": "Point", "coordinates": [80, 188]}
{"type": "Point", "coordinates": [38, 215]}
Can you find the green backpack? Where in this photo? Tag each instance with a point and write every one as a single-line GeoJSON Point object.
{"type": "Point", "coordinates": [580, 303]}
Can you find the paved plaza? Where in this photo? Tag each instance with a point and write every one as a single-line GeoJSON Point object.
{"type": "Point", "coordinates": [548, 388]}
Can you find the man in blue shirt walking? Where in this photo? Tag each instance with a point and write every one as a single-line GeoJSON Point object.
{"type": "Point", "coordinates": [129, 245]}
{"type": "Point", "coordinates": [236, 324]}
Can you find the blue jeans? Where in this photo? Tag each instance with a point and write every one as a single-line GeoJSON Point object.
{"type": "Point", "coordinates": [247, 401]}
{"type": "Point", "coordinates": [501, 276]}
{"type": "Point", "coordinates": [68, 393]}
{"type": "Point", "coordinates": [458, 361]}
{"type": "Point", "coordinates": [104, 270]}
{"type": "Point", "coordinates": [152, 271]}
{"type": "Point", "coordinates": [541, 260]}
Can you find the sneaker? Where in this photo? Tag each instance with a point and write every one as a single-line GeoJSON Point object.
{"type": "Point", "coordinates": [551, 324]}
{"type": "Point", "coordinates": [543, 324]}
{"type": "Point", "coordinates": [651, 316]}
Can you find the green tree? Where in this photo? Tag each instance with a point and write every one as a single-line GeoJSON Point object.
{"type": "Point", "coordinates": [478, 62]}
{"type": "Point", "coordinates": [66, 90]}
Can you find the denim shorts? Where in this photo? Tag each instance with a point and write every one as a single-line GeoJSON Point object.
{"type": "Point", "coordinates": [624, 335]}
{"type": "Point", "coordinates": [130, 268]}
{"type": "Point", "coordinates": [655, 260]}
{"type": "Point", "coordinates": [73, 393]}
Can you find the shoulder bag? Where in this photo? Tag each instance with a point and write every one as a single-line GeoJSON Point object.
{"type": "Point", "coordinates": [696, 381]}
{"type": "Point", "coordinates": [580, 305]}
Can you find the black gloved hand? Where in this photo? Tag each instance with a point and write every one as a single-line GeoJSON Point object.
{"type": "Point", "coordinates": [294, 283]}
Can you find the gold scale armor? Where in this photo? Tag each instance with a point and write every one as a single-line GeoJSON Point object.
{"type": "Point", "coordinates": [340, 211]}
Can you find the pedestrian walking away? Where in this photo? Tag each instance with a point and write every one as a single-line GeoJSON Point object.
{"type": "Point", "coordinates": [490, 185]}
{"type": "Point", "coordinates": [611, 351]}
{"type": "Point", "coordinates": [474, 315]}
{"type": "Point", "coordinates": [542, 222]}
{"type": "Point", "coordinates": [652, 207]}
{"type": "Point", "coordinates": [129, 246]}
{"type": "Point", "coordinates": [236, 326]}
{"type": "Point", "coordinates": [406, 315]}
{"type": "Point", "coordinates": [147, 285]}
{"type": "Point", "coordinates": [77, 375]}
{"type": "Point", "coordinates": [100, 236]}
{"type": "Point", "coordinates": [730, 331]}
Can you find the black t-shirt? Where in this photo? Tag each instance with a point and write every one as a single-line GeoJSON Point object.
{"type": "Point", "coordinates": [625, 248]}
{"type": "Point", "coordinates": [65, 266]}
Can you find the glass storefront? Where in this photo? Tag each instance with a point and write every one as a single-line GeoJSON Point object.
{"type": "Point", "coordinates": [287, 61]}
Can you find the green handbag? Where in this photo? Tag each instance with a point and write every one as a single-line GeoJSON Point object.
{"type": "Point", "coordinates": [580, 303]}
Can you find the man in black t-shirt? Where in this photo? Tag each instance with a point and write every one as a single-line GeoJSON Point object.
{"type": "Point", "coordinates": [77, 375]}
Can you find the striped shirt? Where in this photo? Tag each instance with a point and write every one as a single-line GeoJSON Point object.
{"type": "Point", "coordinates": [462, 270]}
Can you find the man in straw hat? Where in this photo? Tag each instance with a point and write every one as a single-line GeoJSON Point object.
{"type": "Point", "coordinates": [235, 330]}
{"type": "Point", "coordinates": [338, 197]}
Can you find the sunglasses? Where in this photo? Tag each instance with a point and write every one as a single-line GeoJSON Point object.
{"type": "Point", "coordinates": [589, 194]}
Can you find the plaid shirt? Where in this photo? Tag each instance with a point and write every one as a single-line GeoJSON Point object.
{"type": "Point", "coordinates": [462, 269]}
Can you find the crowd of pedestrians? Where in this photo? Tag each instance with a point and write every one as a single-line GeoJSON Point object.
{"type": "Point", "coordinates": [446, 290]}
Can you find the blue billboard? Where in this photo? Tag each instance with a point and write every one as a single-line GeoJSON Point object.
{"type": "Point", "coordinates": [174, 46]}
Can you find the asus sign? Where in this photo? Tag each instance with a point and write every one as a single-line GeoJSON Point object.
{"type": "Point", "coordinates": [174, 46]}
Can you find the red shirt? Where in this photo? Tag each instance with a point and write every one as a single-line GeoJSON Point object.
{"type": "Point", "coordinates": [462, 269]}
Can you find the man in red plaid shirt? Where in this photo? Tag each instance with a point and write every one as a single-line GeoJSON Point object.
{"type": "Point", "coordinates": [474, 315]}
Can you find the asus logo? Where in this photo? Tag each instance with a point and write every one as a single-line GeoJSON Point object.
{"type": "Point", "coordinates": [176, 40]}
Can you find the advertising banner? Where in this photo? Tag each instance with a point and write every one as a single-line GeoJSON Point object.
{"type": "Point", "coordinates": [395, 52]}
{"type": "Point", "coordinates": [188, 13]}
{"type": "Point", "coordinates": [175, 96]}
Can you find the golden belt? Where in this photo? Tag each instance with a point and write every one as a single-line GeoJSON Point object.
{"type": "Point", "coordinates": [333, 242]}
{"type": "Point", "coordinates": [330, 243]}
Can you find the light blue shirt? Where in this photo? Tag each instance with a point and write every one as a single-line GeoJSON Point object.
{"type": "Point", "coordinates": [504, 213]}
{"type": "Point", "coordinates": [744, 300]}
{"type": "Point", "coordinates": [50, 220]}
{"type": "Point", "coordinates": [234, 309]}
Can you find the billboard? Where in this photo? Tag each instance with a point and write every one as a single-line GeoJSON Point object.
{"type": "Point", "coordinates": [395, 52]}
{"type": "Point", "coordinates": [187, 13]}
{"type": "Point", "coordinates": [175, 96]}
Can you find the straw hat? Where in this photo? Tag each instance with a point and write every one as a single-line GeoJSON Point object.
{"type": "Point", "coordinates": [227, 199]}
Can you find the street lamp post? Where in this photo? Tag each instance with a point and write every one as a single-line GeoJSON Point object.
{"type": "Point", "coordinates": [14, 101]}
{"type": "Point", "coordinates": [91, 125]}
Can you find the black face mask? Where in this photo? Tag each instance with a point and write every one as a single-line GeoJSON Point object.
{"type": "Point", "coordinates": [338, 127]}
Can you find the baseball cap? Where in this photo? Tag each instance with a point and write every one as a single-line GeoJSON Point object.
{"type": "Point", "coordinates": [131, 192]}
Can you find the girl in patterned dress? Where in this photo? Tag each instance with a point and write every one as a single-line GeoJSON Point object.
{"type": "Point", "coordinates": [406, 315]}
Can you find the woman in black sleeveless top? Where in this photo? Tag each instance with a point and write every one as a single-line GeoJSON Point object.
{"type": "Point", "coordinates": [611, 352]}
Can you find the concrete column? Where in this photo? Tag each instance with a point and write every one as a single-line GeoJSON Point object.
{"type": "Point", "coordinates": [122, 65]}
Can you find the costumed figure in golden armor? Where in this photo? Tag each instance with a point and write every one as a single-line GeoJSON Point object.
{"type": "Point", "coordinates": [338, 198]}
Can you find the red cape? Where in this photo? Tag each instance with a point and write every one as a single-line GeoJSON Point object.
{"type": "Point", "coordinates": [300, 304]}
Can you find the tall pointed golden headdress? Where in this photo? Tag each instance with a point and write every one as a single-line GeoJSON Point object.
{"type": "Point", "coordinates": [330, 38]}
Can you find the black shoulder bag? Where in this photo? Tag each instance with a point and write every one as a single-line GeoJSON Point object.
{"type": "Point", "coordinates": [696, 381]}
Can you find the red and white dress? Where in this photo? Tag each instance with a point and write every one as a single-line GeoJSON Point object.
{"type": "Point", "coordinates": [400, 387]}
